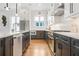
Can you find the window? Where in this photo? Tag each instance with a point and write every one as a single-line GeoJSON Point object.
{"type": "Point", "coordinates": [39, 21]}
{"type": "Point", "coordinates": [51, 20]}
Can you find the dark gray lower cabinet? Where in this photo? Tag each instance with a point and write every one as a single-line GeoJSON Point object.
{"type": "Point", "coordinates": [2, 47]}
{"type": "Point", "coordinates": [75, 47]}
{"type": "Point", "coordinates": [25, 41]}
{"type": "Point", "coordinates": [6, 46]}
{"type": "Point", "coordinates": [74, 51]}
{"type": "Point", "coordinates": [65, 49]}
{"type": "Point", "coordinates": [9, 46]}
{"type": "Point", "coordinates": [40, 34]}
{"type": "Point", "coordinates": [62, 45]}
{"type": "Point", "coordinates": [58, 48]}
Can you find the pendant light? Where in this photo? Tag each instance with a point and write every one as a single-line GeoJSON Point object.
{"type": "Point", "coordinates": [7, 8]}
{"type": "Point", "coordinates": [16, 10]}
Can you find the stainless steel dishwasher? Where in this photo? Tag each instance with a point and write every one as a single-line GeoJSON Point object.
{"type": "Point", "coordinates": [51, 43]}
{"type": "Point", "coordinates": [62, 45]}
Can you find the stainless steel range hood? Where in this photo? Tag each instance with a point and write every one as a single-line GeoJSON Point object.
{"type": "Point", "coordinates": [58, 11]}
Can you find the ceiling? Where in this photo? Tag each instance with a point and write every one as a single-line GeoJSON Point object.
{"type": "Point", "coordinates": [36, 6]}
{"type": "Point", "coordinates": [32, 6]}
{"type": "Point", "coordinates": [23, 8]}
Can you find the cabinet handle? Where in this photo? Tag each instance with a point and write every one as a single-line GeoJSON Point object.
{"type": "Point", "coordinates": [73, 43]}
{"type": "Point", "coordinates": [1, 43]}
{"type": "Point", "coordinates": [60, 46]}
{"type": "Point", "coordinates": [74, 54]}
{"type": "Point", "coordinates": [14, 37]}
{"type": "Point", "coordinates": [71, 7]}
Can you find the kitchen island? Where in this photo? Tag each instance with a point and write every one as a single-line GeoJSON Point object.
{"type": "Point", "coordinates": [13, 44]}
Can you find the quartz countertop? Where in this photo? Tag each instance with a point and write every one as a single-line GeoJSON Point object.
{"type": "Point", "coordinates": [10, 34]}
{"type": "Point", "coordinates": [69, 34]}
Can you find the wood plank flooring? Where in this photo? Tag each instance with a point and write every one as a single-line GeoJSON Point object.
{"type": "Point", "coordinates": [38, 48]}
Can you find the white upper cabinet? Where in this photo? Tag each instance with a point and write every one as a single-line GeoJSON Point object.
{"type": "Point", "coordinates": [66, 10]}
{"type": "Point", "coordinates": [71, 9]}
{"type": "Point", "coordinates": [76, 8]}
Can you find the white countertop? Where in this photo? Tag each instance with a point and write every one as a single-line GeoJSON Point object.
{"type": "Point", "coordinates": [69, 34]}
{"type": "Point", "coordinates": [10, 34]}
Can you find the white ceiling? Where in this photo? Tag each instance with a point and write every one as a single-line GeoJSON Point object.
{"type": "Point", "coordinates": [36, 6]}
{"type": "Point", "coordinates": [23, 8]}
{"type": "Point", "coordinates": [32, 6]}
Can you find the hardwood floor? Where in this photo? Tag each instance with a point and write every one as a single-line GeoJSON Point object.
{"type": "Point", "coordinates": [38, 48]}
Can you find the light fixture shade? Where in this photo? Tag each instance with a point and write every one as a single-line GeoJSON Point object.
{"type": "Point", "coordinates": [7, 8]}
{"type": "Point", "coordinates": [16, 14]}
{"type": "Point", "coordinates": [16, 11]}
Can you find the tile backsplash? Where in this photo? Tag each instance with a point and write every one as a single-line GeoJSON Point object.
{"type": "Point", "coordinates": [74, 25]}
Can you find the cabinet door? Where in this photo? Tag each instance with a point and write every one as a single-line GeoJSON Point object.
{"type": "Point", "coordinates": [46, 35]}
{"type": "Point", "coordinates": [1, 48]}
{"type": "Point", "coordinates": [76, 8]}
{"type": "Point", "coordinates": [11, 45]}
{"type": "Point", "coordinates": [25, 41]}
{"type": "Point", "coordinates": [28, 39]}
{"type": "Point", "coordinates": [8, 46]}
{"type": "Point", "coordinates": [39, 35]}
{"type": "Point", "coordinates": [65, 50]}
{"type": "Point", "coordinates": [58, 48]}
{"type": "Point", "coordinates": [2, 51]}
{"type": "Point", "coordinates": [66, 9]}
{"type": "Point", "coordinates": [74, 51]}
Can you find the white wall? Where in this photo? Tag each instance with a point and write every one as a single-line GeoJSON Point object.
{"type": "Point", "coordinates": [9, 14]}
{"type": "Point", "coordinates": [59, 23]}
{"type": "Point", "coordinates": [58, 19]}
{"type": "Point", "coordinates": [73, 24]}
{"type": "Point", "coordinates": [6, 29]}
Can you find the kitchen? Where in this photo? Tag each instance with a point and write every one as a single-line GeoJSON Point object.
{"type": "Point", "coordinates": [39, 29]}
